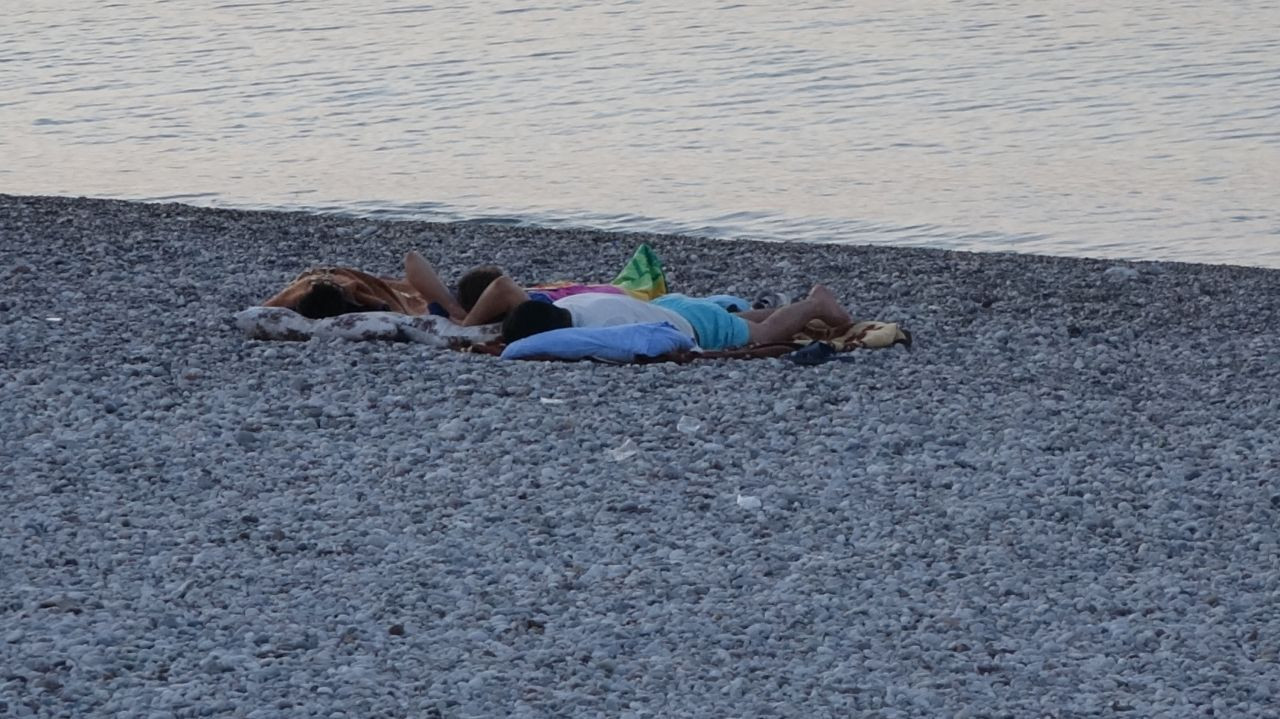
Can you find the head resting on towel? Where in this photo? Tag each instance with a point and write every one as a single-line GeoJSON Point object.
{"type": "Point", "coordinates": [331, 291]}
{"type": "Point", "coordinates": [533, 317]}
{"type": "Point", "coordinates": [326, 299]}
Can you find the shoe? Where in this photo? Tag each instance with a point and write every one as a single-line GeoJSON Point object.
{"type": "Point", "coordinates": [815, 353]}
{"type": "Point", "coordinates": [771, 300]}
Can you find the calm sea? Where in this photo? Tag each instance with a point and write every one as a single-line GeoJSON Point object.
{"type": "Point", "coordinates": [1112, 128]}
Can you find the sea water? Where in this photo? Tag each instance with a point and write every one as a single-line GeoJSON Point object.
{"type": "Point", "coordinates": [1115, 129]}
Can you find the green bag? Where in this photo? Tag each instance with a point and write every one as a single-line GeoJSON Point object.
{"type": "Point", "coordinates": [642, 276]}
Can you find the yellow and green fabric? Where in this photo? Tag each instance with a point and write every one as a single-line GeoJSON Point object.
{"type": "Point", "coordinates": [642, 277]}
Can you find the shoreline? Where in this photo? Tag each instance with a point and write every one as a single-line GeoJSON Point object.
{"type": "Point", "coordinates": [532, 226]}
{"type": "Point", "coordinates": [1068, 488]}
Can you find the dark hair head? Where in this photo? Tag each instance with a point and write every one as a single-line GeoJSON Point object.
{"type": "Point", "coordinates": [532, 317]}
{"type": "Point", "coordinates": [324, 299]}
{"type": "Point", "coordinates": [474, 282]}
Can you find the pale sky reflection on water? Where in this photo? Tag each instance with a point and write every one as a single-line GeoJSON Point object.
{"type": "Point", "coordinates": [1119, 129]}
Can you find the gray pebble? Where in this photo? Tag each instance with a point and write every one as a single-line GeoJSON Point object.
{"type": "Point", "coordinates": [1014, 519]}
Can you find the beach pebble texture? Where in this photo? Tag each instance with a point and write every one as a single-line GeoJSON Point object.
{"type": "Point", "coordinates": [1062, 502]}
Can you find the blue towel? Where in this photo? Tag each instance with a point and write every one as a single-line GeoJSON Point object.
{"type": "Point", "coordinates": [621, 343]}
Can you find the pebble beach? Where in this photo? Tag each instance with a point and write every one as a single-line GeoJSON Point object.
{"type": "Point", "coordinates": [1063, 501]}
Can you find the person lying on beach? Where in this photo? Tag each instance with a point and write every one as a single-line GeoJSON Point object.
{"type": "Point", "coordinates": [710, 325]}
{"type": "Point", "coordinates": [485, 293]}
{"type": "Point", "coordinates": [331, 291]}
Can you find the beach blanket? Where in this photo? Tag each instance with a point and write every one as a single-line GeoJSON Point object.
{"type": "Point", "coordinates": [856, 335]}
{"type": "Point", "coordinates": [282, 323]}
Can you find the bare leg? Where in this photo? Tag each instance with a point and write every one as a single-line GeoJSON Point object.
{"type": "Point", "coordinates": [832, 312]}
{"type": "Point", "coordinates": [756, 315]}
{"type": "Point", "coordinates": [788, 320]}
{"type": "Point", "coordinates": [500, 297]}
{"type": "Point", "coordinates": [422, 277]}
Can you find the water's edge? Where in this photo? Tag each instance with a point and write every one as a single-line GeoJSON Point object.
{"type": "Point", "coordinates": [922, 237]}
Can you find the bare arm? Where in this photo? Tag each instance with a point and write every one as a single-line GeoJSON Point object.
{"type": "Point", "coordinates": [500, 297]}
{"type": "Point", "coordinates": [423, 278]}
{"type": "Point", "coordinates": [786, 321]}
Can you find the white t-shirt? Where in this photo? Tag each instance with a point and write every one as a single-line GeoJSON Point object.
{"type": "Point", "coordinates": [596, 309]}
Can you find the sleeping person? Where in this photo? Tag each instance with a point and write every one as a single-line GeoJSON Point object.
{"type": "Point", "coordinates": [484, 294]}
{"type": "Point", "coordinates": [708, 323]}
